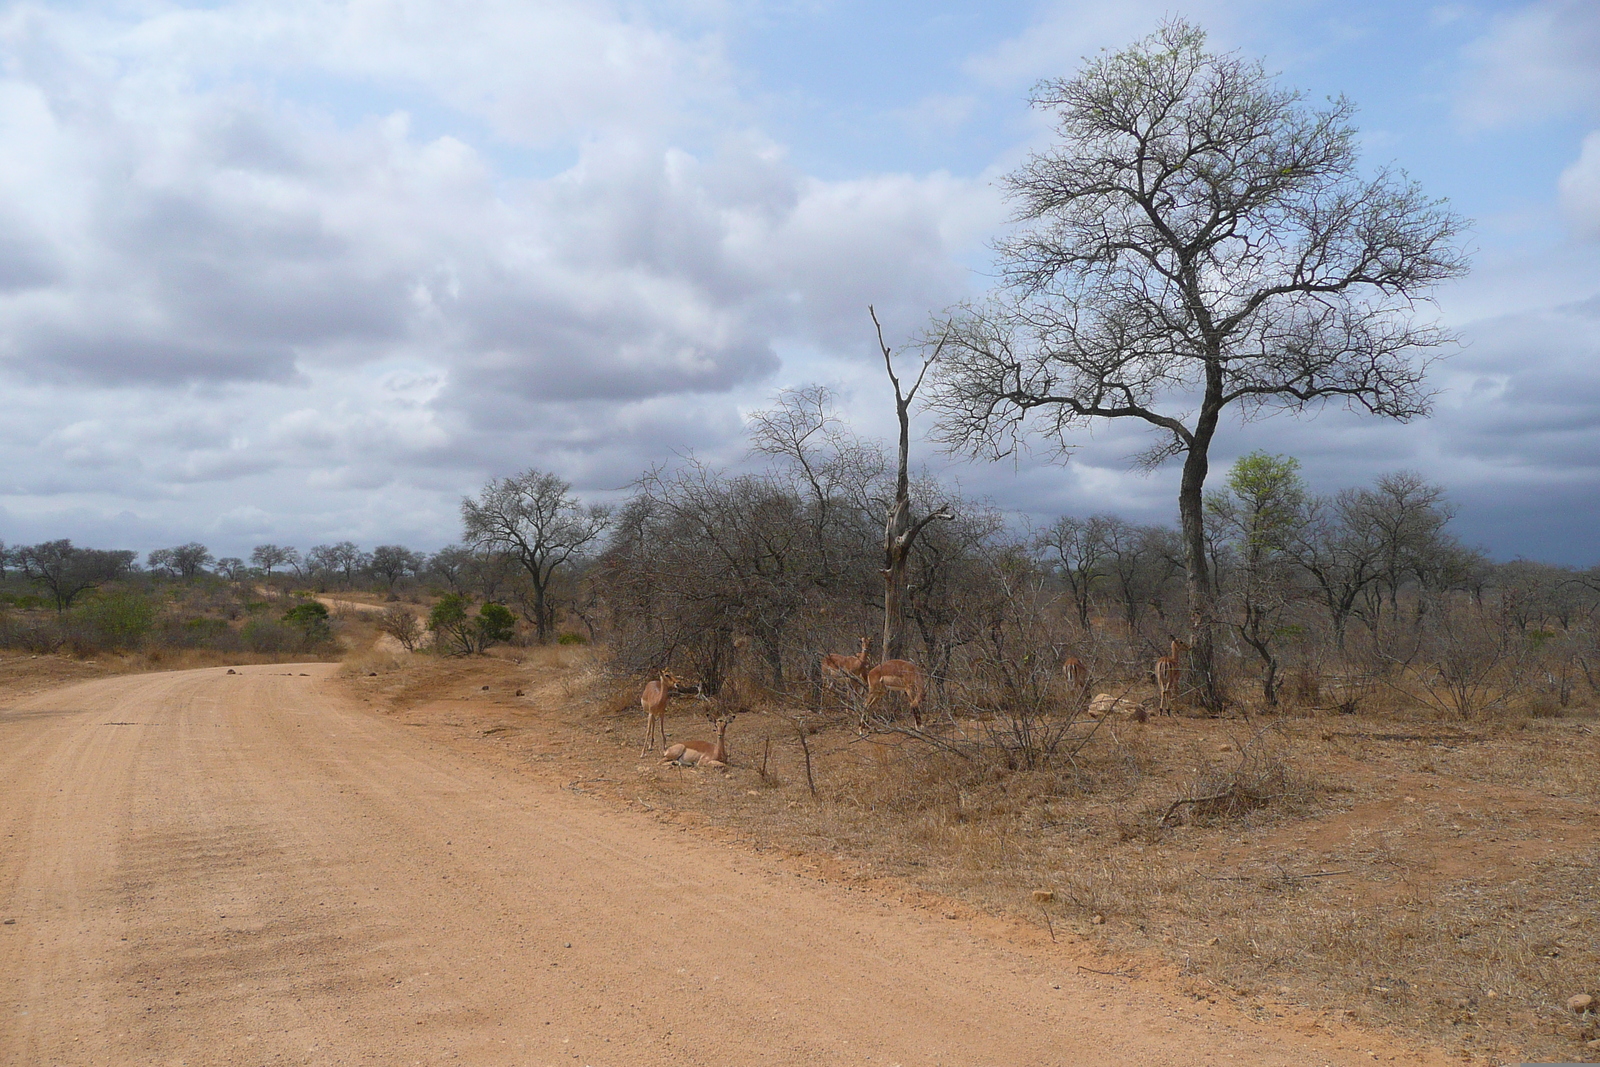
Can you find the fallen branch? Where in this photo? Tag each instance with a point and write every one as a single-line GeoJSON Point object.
{"type": "Point", "coordinates": [1231, 793]}
{"type": "Point", "coordinates": [1282, 874]}
{"type": "Point", "coordinates": [926, 738]}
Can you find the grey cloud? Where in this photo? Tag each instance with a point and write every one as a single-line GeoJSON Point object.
{"type": "Point", "coordinates": [1547, 411]}
{"type": "Point", "coordinates": [229, 466]}
{"type": "Point", "coordinates": [25, 261]}
{"type": "Point", "coordinates": [56, 353]}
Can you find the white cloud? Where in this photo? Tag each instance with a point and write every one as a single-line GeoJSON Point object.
{"type": "Point", "coordinates": [1067, 31]}
{"type": "Point", "coordinates": [1540, 61]}
{"type": "Point", "coordinates": [1580, 188]}
{"type": "Point", "coordinates": [284, 259]}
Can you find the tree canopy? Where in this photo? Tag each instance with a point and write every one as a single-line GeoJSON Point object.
{"type": "Point", "coordinates": [1198, 239]}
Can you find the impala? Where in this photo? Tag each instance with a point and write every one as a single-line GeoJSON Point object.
{"type": "Point", "coordinates": [654, 702]}
{"type": "Point", "coordinates": [1168, 671]}
{"type": "Point", "coordinates": [1076, 674]}
{"type": "Point", "coordinates": [700, 753]}
{"type": "Point", "coordinates": [853, 667]}
{"type": "Point", "coordinates": [902, 676]}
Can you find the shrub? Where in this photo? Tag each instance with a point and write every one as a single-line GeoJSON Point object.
{"type": "Point", "coordinates": [198, 632]}
{"type": "Point", "coordinates": [310, 617]}
{"type": "Point", "coordinates": [271, 635]}
{"type": "Point", "coordinates": [402, 625]}
{"type": "Point", "coordinates": [454, 628]}
{"type": "Point", "coordinates": [114, 620]}
{"type": "Point", "coordinates": [572, 639]}
{"type": "Point", "coordinates": [496, 625]}
{"type": "Point", "coordinates": [30, 632]}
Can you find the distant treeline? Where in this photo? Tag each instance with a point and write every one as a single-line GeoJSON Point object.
{"type": "Point", "coordinates": [1321, 597]}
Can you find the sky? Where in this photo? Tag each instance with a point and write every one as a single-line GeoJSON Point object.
{"type": "Point", "coordinates": [300, 272]}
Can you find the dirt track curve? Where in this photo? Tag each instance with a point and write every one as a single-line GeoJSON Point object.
{"type": "Point", "coordinates": [247, 869]}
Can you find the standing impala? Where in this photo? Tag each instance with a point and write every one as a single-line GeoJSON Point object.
{"type": "Point", "coordinates": [1169, 670]}
{"type": "Point", "coordinates": [700, 753]}
{"type": "Point", "coordinates": [853, 667]}
{"type": "Point", "coordinates": [902, 676]}
{"type": "Point", "coordinates": [654, 702]}
{"type": "Point", "coordinates": [1076, 674]}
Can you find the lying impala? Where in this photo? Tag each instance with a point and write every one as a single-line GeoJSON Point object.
{"type": "Point", "coordinates": [701, 753]}
{"type": "Point", "coordinates": [853, 668]}
{"type": "Point", "coordinates": [901, 675]}
{"type": "Point", "coordinates": [654, 702]}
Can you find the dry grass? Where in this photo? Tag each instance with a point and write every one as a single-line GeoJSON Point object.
{"type": "Point", "coordinates": [1432, 878]}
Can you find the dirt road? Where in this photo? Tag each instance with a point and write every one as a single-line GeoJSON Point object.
{"type": "Point", "coordinates": [206, 868]}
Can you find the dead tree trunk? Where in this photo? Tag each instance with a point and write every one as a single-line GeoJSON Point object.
{"type": "Point", "coordinates": [900, 529]}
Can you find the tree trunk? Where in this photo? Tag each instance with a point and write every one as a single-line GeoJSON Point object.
{"type": "Point", "coordinates": [773, 652]}
{"type": "Point", "coordinates": [899, 531]}
{"type": "Point", "coordinates": [1202, 602]}
{"type": "Point", "coordinates": [541, 612]}
{"type": "Point", "coordinates": [896, 550]}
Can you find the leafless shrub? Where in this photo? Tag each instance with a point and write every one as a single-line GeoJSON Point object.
{"type": "Point", "coordinates": [1459, 659]}
{"type": "Point", "coordinates": [1259, 775]}
{"type": "Point", "coordinates": [402, 624]}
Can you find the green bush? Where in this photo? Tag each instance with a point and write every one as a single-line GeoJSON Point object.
{"type": "Point", "coordinates": [310, 617]}
{"type": "Point", "coordinates": [199, 632]}
{"type": "Point", "coordinates": [271, 635]}
{"type": "Point", "coordinates": [462, 633]}
{"type": "Point", "coordinates": [121, 620]}
{"type": "Point", "coordinates": [496, 625]}
{"type": "Point", "coordinates": [572, 639]}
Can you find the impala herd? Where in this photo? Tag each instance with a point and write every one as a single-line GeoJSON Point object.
{"type": "Point", "coordinates": [899, 675]}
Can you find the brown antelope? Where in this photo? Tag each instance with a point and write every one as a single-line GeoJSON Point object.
{"type": "Point", "coordinates": [853, 667]}
{"type": "Point", "coordinates": [1169, 670]}
{"type": "Point", "coordinates": [901, 675]}
{"type": "Point", "coordinates": [654, 702]}
{"type": "Point", "coordinates": [1076, 674]}
{"type": "Point", "coordinates": [701, 753]}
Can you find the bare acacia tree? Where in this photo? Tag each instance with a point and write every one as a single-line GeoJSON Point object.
{"type": "Point", "coordinates": [451, 563]}
{"type": "Point", "coordinates": [67, 570]}
{"type": "Point", "coordinates": [900, 530]}
{"type": "Point", "coordinates": [394, 562]}
{"type": "Point", "coordinates": [1079, 548]}
{"type": "Point", "coordinates": [1198, 240]}
{"type": "Point", "coordinates": [534, 517]}
{"type": "Point", "coordinates": [185, 561]}
{"type": "Point", "coordinates": [838, 473]}
{"type": "Point", "coordinates": [269, 556]}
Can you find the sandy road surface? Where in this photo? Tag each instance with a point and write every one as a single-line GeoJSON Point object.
{"type": "Point", "coordinates": [215, 869]}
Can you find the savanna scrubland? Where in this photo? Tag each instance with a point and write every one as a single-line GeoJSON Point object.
{"type": "Point", "coordinates": [1391, 821]}
{"type": "Point", "coordinates": [1375, 800]}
